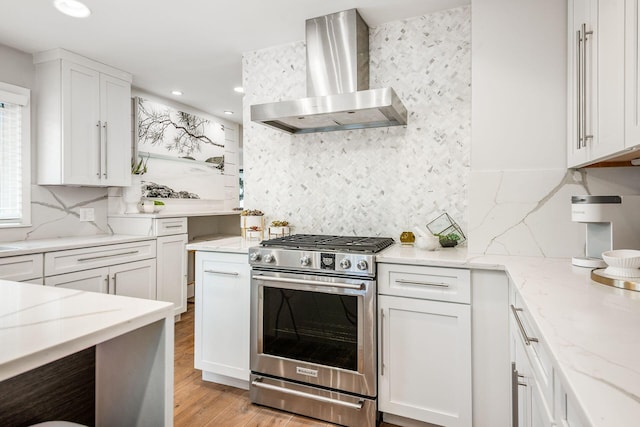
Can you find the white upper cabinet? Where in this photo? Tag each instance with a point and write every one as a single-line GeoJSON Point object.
{"type": "Point", "coordinates": [84, 121]}
{"type": "Point", "coordinates": [602, 81]}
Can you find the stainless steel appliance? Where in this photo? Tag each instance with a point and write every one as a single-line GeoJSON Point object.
{"type": "Point", "coordinates": [612, 223]}
{"type": "Point", "coordinates": [313, 326]}
{"type": "Point", "coordinates": [337, 83]}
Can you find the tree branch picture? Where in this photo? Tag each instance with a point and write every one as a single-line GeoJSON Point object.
{"type": "Point", "coordinates": [168, 132]}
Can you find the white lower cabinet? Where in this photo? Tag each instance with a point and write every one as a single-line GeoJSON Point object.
{"type": "Point", "coordinates": [172, 271]}
{"type": "Point", "coordinates": [133, 279]}
{"type": "Point", "coordinates": [424, 363]}
{"type": "Point", "coordinates": [222, 317]}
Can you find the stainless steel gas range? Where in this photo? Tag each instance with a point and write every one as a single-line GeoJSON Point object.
{"type": "Point", "coordinates": [313, 326]}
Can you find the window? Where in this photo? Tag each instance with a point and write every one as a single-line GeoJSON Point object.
{"type": "Point", "coordinates": [15, 145]}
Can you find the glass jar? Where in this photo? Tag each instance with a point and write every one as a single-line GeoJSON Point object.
{"type": "Point", "coordinates": [407, 238]}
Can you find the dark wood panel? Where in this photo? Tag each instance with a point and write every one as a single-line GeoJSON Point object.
{"type": "Point", "coordinates": [60, 390]}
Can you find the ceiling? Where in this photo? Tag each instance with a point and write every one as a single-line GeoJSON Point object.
{"type": "Point", "coordinates": [195, 46]}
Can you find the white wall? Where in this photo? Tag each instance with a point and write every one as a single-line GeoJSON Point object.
{"type": "Point", "coordinates": [373, 181]}
{"type": "Point", "coordinates": [520, 189]}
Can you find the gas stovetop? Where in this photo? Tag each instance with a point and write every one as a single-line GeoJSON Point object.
{"type": "Point", "coordinates": [320, 242]}
{"type": "Point", "coordinates": [305, 253]}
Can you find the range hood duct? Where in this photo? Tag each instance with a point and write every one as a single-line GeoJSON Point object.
{"type": "Point", "coordinates": [338, 91]}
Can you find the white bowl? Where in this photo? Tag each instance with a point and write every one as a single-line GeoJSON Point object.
{"type": "Point", "coordinates": [622, 258]}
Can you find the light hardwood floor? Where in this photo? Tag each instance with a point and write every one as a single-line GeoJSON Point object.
{"type": "Point", "coordinates": [201, 403]}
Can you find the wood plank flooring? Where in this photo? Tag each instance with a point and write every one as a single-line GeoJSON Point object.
{"type": "Point", "coordinates": [199, 403]}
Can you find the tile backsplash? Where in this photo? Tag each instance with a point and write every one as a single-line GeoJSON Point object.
{"type": "Point", "coordinates": [373, 181]}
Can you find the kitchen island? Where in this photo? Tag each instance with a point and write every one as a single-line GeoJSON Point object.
{"type": "Point", "coordinates": [131, 339]}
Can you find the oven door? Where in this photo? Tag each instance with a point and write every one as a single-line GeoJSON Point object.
{"type": "Point", "coordinates": [317, 330]}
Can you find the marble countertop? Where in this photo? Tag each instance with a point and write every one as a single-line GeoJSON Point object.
{"type": "Point", "coordinates": [40, 324]}
{"type": "Point", "coordinates": [232, 244]}
{"type": "Point", "coordinates": [592, 331]}
{"type": "Point", "coordinates": [25, 247]}
{"type": "Point", "coordinates": [171, 214]}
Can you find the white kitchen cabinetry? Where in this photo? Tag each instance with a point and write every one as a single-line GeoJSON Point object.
{"type": "Point", "coordinates": [532, 371]}
{"type": "Point", "coordinates": [222, 317]}
{"type": "Point", "coordinates": [602, 81]}
{"type": "Point", "coordinates": [424, 338]}
{"type": "Point", "coordinates": [22, 268]}
{"type": "Point", "coordinates": [171, 256]}
{"type": "Point", "coordinates": [127, 269]}
{"type": "Point", "coordinates": [84, 121]}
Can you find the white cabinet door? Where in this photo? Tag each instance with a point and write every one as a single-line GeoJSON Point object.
{"type": "Point", "coordinates": [95, 280]}
{"type": "Point", "coordinates": [222, 314]}
{"type": "Point", "coordinates": [172, 271]}
{"type": "Point", "coordinates": [425, 360]}
{"type": "Point", "coordinates": [115, 119]}
{"type": "Point", "coordinates": [81, 130]}
{"type": "Point", "coordinates": [632, 74]}
{"type": "Point", "coordinates": [134, 279]}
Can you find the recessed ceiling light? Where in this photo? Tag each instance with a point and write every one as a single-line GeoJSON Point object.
{"type": "Point", "coordinates": [72, 8]}
{"type": "Point", "coordinates": [239, 89]}
{"type": "Point", "coordinates": [176, 92]}
{"type": "Point", "coordinates": [227, 112]}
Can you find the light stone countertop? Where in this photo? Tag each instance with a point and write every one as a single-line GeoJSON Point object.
{"type": "Point", "coordinates": [40, 324]}
{"type": "Point", "coordinates": [592, 331]}
{"type": "Point", "coordinates": [25, 247]}
{"type": "Point", "coordinates": [231, 244]}
{"type": "Point", "coordinates": [176, 214]}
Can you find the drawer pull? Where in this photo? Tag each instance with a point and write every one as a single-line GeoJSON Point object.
{"type": "Point", "coordinates": [228, 273]}
{"type": "Point", "coordinates": [527, 339]}
{"type": "Point", "coordinates": [106, 256]}
{"type": "Point", "coordinates": [173, 226]}
{"type": "Point", "coordinates": [413, 282]}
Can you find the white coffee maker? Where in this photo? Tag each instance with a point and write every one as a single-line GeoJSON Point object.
{"type": "Point", "coordinates": [613, 222]}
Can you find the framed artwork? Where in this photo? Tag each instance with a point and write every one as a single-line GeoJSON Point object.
{"type": "Point", "coordinates": [164, 132]}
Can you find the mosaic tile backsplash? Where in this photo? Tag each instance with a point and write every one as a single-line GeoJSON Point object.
{"type": "Point", "coordinates": [371, 181]}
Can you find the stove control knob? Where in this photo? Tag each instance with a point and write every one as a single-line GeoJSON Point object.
{"type": "Point", "coordinates": [305, 261]}
{"type": "Point", "coordinates": [254, 257]}
{"type": "Point", "coordinates": [268, 258]}
{"type": "Point", "coordinates": [362, 265]}
{"type": "Point", "coordinates": [345, 264]}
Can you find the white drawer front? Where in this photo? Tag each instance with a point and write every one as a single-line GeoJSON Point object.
{"type": "Point", "coordinates": [536, 350]}
{"type": "Point", "coordinates": [100, 256]}
{"type": "Point", "coordinates": [22, 267]}
{"type": "Point", "coordinates": [434, 283]}
{"type": "Point", "coordinates": [169, 226]}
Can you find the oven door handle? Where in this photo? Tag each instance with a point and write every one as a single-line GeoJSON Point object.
{"type": "Point", "coordinates": [359, 287]}
{"type": "Point", "coordinates": [259, 384]}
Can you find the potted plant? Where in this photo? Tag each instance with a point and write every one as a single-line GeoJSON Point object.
{"type": "Point", "coordinates": [253, 220]}
{"type": "Point", "coordinates": [279, 228]}
{"type": "Point", "coordinates": [131, 195]}
{"type": "Point", "coordinates": [448, 240]}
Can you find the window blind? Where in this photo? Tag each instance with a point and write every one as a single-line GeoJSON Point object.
{"type": "Point", "coordinates": [11, 184]}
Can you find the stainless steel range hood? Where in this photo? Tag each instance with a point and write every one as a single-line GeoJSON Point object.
{"type": "Point", "coordinates": [337, 83]}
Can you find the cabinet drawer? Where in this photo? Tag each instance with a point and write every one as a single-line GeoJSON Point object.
{"type": "Point", "coordinates": [434, 283]}
{"type": "Point", "coordinates": [22, 267]}
{"type": "Point", "coordinates": [168, 226]}
{"type": "Point", "coordinates": [100, 256]}
{"type": "Point", "coordinates": [536, 350]}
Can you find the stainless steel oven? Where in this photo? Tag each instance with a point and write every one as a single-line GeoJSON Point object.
{"type": "Point", "coordinates": [313, 332]}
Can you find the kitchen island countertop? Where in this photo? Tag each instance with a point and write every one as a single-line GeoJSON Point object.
{"type": "Point", "coordinates": [591, 330]}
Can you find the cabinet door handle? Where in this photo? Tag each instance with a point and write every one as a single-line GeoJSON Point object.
{"type": "Point", "coordinates": [381, 341]}
{"type": "Point", "coordinates": [106, 151]}
{"type": "Point", "coordinates": [106, 282]}
{"type": "Point", "coordinates": [114, 285]}
{"type": "Point", "coordinates": [99, 125]}
{"type": "Point", "coordinates": [527, 339]}
{"type": "Point", "coordinates": [514, 395]}
{"type": "Point", "coordinates": [585, 137]}
{"type": "Point", "coordinates": [227, 273]}
{"type": "Point", "coordinates": [414, 282]}
{"type": "Point", "coordinates": [578, 76]}
{"type": "Point", "coordinates": [107, 256]}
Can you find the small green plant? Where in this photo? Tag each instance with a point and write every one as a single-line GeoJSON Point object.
{"type": "Point", "coordinates": [448, 240]}
{"type": "Point", "coordinates": [158, 203]}
{"type": "Point", "coordinates": [139, 167]}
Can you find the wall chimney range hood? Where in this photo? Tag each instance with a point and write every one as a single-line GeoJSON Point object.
{"type": "Point", "coordinates": [338, 91]}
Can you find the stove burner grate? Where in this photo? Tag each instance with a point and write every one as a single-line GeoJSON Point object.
{"type": "Point", "coordinates": [330, 243]}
